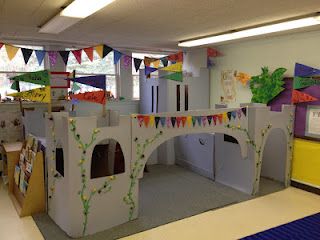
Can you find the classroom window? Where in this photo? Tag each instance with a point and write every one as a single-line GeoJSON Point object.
{"type": "Point", "coordinates": [15, 67]}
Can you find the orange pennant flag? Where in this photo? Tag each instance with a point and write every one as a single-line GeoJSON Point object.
{"type": "Point", "coordinates": [89, 52]}
{"type": "Point", "coordinates": [96, 97]}
{"type": "Point", "coordinates": [99, 50]}
{"type": "Point", "coordinates": [11, 51]}
{"type": "Point", "coordinates": [299, 97]}
{"type": "Point", "coordinates": [156, 63]}
{"type": "Point", "coordinates": [146, 120]}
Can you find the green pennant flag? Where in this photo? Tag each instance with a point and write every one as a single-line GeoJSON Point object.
{"type": "Point", "coordinates": [15, 86]}
{"type": "Point", "coordinates": [178, 76]}
{"type": "Point", "coordinates": [75, 87]}
{"type": "Point", "coordinates": [40, 77]}
{"type": "Point", "coordinates": [303, 82]}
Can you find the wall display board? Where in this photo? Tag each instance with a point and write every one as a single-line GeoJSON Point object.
{"type": "Point", "coordinates": [313, 121]}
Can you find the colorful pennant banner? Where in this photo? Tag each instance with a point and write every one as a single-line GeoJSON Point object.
{"type": "Point", "coordinates": [95, 97]}
{"type": "Point", "coordinates": [190, 121]}
{"type": "Point", "coordinates": [40, 77]}
{"type": "Point", "coordinates": [37, 95]}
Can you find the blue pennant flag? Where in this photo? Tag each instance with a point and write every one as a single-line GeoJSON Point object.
{"type": "Point", "coordinates": [40, 55]}
{"type": "Point", "coordinates": [149, 70]}
{"type": "Point", "coordinates": [163, 121]}
{"type": "Point", "coordinates": [116, 56]}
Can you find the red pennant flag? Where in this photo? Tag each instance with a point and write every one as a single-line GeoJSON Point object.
{"type": "Point", "coordinates": [1, 44]}
{"type": "Point", "coordinates": [140, 119]}
{"type": "Point", "coordinates": [215, 117]}
{"type": "Point", "coordinates": [96, 97]}
{"type": "Point", "coordinates": [146, 120]}
{"type": "Point", "coordinates": [183, 120]}
{"type": "Point", "coordinates": [77, 55]}
{"type": "Point", "coordinates": [299, 97]}
{"type": "Point", "coordinates": [89, 52]}
{"type": "Point", "coordinates": [179, 119]}
{"type": "Point", "coordinates": [211, 52]}
{"type": "Point", "coordinates": [178, 57]}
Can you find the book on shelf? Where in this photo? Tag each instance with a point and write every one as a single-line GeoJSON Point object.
{"type": "Point", "coordinates": [17, 175]}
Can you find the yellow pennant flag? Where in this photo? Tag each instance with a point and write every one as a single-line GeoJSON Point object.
{"type": "Point", "coordinates": [151, 121]}
{"type": "Point", "coordinates": [189, 121]}
{"type": "Point", "coordinates": [177, 67]}
{"type": "Point", "coordinates": [225, 117]}
{"type": "Point", "coordinates": [11, 51]}
{"type": "Point", "coordinates": [99, 50]}
{"type": "Point", "coordinates": [37, 95]}
{"type": "Point", "coordinates": [156, 63]}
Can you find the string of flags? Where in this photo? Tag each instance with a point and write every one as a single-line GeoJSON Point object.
{"type": "Point", "coordinates": [102, 50]}
{"type": "Point", "coordinates": [303, 78]}
{"type": "Point", "coordinates": [190, 121]}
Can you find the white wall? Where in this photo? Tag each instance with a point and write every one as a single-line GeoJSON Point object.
{"type": "Point", "coordinates": [250, 56]}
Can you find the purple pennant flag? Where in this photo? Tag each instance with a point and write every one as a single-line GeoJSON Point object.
{"type": "Point", "coordinates": [209, 119]}
{"type": "Point", "coordinates": [210, 63]}
{"type": "Point", "coordinates": [239, 112]}
{"type": "Point", "coordinates": [234, 114]}
{"type": "Point", "coordinates": [168, 122]}
{"type": "Point", "coordinates": [149, 70]}
{"type": "Point", "coordinates": [53, 57]}
{"type": "Point", "coordinates": [204, 120]}
{"type": "Point", "coordinates": [40, 56]}
{"type": "Point", "coordinates": [301, 70]}
{"type": "Point", "coordinates": [98, 81]}
{"type": "Point", "coordinates": [116, 56]}
{"type": "Point", "coordinates": [163, 121]}
{"type": "Point", "coordinates": [127, 61]}
{"type": "Point", "coordinates": [173, 121]}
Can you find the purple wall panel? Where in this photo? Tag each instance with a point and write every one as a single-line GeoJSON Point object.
{"type": "Point", "coordinates": [301, 108]}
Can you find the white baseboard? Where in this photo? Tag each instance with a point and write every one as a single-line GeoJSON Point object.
{"type": "Point", "coordinates": [203, 172]}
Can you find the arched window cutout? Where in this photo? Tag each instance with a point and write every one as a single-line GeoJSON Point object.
{"type": "Point", "coordinates": [107, 159]}
{"type": "Point", "coordinates": [60, 161]}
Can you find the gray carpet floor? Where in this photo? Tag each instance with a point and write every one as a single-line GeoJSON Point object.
{"type": "Point", "coordinates": [167, 194]}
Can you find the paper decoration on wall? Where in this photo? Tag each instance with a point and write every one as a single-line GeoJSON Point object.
{"type": "Point", "coordinates": [15, 86]}
{"type": "Point", "coordinates": [103, 50]}
{"type": "Point", "coordinates": [147, 61]}
{"type": "Point", "coordinates": [1, 44]}
{"type": "Point", "coordinates": [11, 51]}
{"type": "Point", "coordinates": [40, 56]}
{"type": "Point", "coordinates": [39, 77]}
{"type": "Point", "coordinates": [65, 56]}
{"type": "Point", "coordinates": [26, 53]}
{"type": "Point", "coordinates": [77, 54]}
{"type": "Point", "coordinates": [300, 97]}
{"type": "Point", "coordinates": [243, 78]}
{"type": "Point", "coordinates": [173, 68]}
{"type": "Point", "coordinates": [164, 61]}
{"type": "Point", "coordinates": [228, 86]}
{"type": "Point", "coordinates": [189, 121]}
{"type": "Point", "coordinates": [36, 95]}
{"type": "Point", "coordinates": [266, 86]}
{"type": "Point", "coordinates": [89, 52]}
{"type": "Point", "coordinates": [178, 76]}
{"type": "Point", "coordinates": [156, 63]}
{"type": "Point", "coordinates": [137, 63]}
{"type": "Point", "coordinates": [127, 61]}
{"type": "Point", "coordinates": [95, 97]}
{"type": "Point", "coordinates": [303, 82]}
{"type": "Point", "coordinates": [116, 56]}
{"type": "Point", "coordinates": [178, 57]}
{"type": "Point", "coordinates": [301, 70]}
{"type": "Point", "coordinates": [52, 57]}
{"type": "Point", "coordinates": [98, 81]}
{"type": "Point", "coordinates": [211, 52]}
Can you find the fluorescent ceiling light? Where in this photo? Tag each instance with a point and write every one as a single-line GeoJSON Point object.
{"type": "Point", "coordinates": [271, 28]}
{"type": "Point", "coordinates": [72, 14]}
{"type": "Point", "coordinates": [84, 8]}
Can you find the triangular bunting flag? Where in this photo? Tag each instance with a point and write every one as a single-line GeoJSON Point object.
{"type": "Point", "coordinates": [220, 118]}
{"type": "Point", "coordinates": [209, 119]}
{"type": "Point", "coordinates": [15, 86]}
{"type": "Point", "coordinates": [164, 61]}
{"type": "Point", "coordinates": [300, 97]}
{"type": "Point", "coordinates": [95, 97]}
{"type": "Point", "coordinates": [301, 70]}
{"type": "Point", "coordinates": [40, 77]}
{"type": "Point", "coordinates": [163, 121]}
{"type": "Point", "coordinates": [65, 56]}
{"type": "Point", "coordinates": [225, 117]}
{"type": "Point", "coordinates": [229, 115]}
{"type": "Point", "coordinates": [11, 51]}
{"type": "Point", "coordinates": [151, 121]}
{"type": "Point", "coordinates": [1, 44]}
{"type": "Point", "coordinates": [178, 121]}
{"type": "Point", "coordinates": [157, 119]}
{"type": "Point", "coordinates": [303, 82]}
{"type": "Point", "coordinates": [75, 87]}
{"type": "Point", "coordinates": [239, 113]}
{"type": "Point", "coordinates": [204, 120]}
{"type": "Point", "coordinates": [36, 95]}
{"type": "Point", "coordinates": [127, 61]}
{"type": "Point", "coordinates": [89, 52]}
{"type": "Point", "coordinates": [98, 81]}
{"type": "Point", "coordinates": [173, 68]}
{"type": "Point", "coordinates": [146, 120]}
{"type": "Point", "coordinates": [211, 52]}
{"type": "Point", "coordinates": [26, 53]}
{"type": "Point", "coordinates": [178, 57]}
{"type": "Point", "coordinates": [183, 120]}
{"type": "Point", "coordinates": [77, 54]}
{"type": "Point", "coordinates": [215, 117]}
{"type": "Point", "coordinates": [194, 119]}
{"type": "Point", "coordinates": [199, 120]}
{"type": "Point", "coordinates": [234, 114]}
{"type": "Point", "coordinates": [149, 70]}
{"type": "Point", "coordinates": [99, 50]}
{"type": "Point", "coordinates": [244, 111]}
{"type": "Point", "coordinates": [137, 63]}
{"type": "Point", "coordinates": [140, 119]}
{"type": "Point", "coordinates": [147, 61]}
{"type": "Point", "coordinates": [168, 122]}
{"type": "Point", "coordinates": [173, 121]}
{"type": "Point", "coordinates": [116, 56]}
{"type": "Point", "coordinates": [106, 50]}
{"type": "Point", "coordinates": [156, 63]}
{"type": "Point", "coordinates": [40, 56]}
{"type": "Point", "coordinates": [178, 76]}
{"type": "Point", "coordinates": [52, 57]}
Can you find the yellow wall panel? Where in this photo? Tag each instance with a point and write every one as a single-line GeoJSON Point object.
{"type": "Point", "coordinates": [306, 162]}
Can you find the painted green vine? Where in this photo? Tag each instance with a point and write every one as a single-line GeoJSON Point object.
{"type": "Point", "coordinates": [257, 149]}
{"type": "Point", "coordinates": [136, 169]}
{"type": "Point", "coordinates": [86, 196]}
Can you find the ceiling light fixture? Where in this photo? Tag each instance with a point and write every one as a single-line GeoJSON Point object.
{"type": "Point", "coordinates": [254, 31]}
{"type": "Point", "coordinates": [72, 14]}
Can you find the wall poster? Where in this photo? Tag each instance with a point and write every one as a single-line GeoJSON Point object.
{"type": "Point", "coordinates": [228, 84]}
{"type": "Point", "coordinates": [313, 121]}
